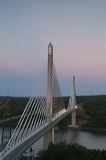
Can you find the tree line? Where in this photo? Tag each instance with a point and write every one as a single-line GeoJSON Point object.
{"type": "Point", "coordinates": [63, 151]}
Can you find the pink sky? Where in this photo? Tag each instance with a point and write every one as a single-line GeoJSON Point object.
{"type": "Point", "coordinates": [76, 30]}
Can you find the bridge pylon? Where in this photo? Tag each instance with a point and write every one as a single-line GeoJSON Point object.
{"type": "Point", "coordinates": [74, 105]}
{"type": "Point", "coordinates": [49, 136]}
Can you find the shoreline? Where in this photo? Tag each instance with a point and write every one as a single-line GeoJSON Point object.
{"type": "Point", "coordinates": [98, 130]}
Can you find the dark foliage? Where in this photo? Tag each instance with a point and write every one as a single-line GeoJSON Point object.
{"type": "Point", "coordinates": [96, 109]}
{"type": "Point", "coordinates": [64, 151]}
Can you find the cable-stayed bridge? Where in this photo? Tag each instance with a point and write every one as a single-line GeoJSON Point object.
{"type": "Point", "coordinates": [40, 116]}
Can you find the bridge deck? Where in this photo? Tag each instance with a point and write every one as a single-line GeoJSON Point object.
{"type": "Point", "coordinates": [22, 146]}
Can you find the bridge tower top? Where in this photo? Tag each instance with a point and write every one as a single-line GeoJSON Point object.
{"type": "Point", "coordinates": [50, 48]}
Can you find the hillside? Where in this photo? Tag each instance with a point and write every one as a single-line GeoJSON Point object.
{"type": "Point", "coordinates": [92, 112]}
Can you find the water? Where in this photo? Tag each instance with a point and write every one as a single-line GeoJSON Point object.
{"type": "Point", "coordinates": [90, 140]}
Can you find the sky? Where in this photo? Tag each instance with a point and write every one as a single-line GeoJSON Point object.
{"type": "Point", "coordinates": [77, 30]}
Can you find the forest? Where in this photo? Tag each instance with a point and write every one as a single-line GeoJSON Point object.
{"type": "Point", "coordinates": [95, 107]}
{"type": "Point", "coordinates": [92, 110]}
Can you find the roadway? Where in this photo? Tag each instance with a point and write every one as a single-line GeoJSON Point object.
{"type": "Point", "coordinates": [26, 143]}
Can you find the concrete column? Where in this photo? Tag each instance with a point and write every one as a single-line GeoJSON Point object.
{"type": "Point", "coordinates": [73, 118]}
{"type": "Point", "coordinates": [50, 81]}
{"type": "Point", "coordinates": [74, 105]}
{"type": "Point", "coordinates": [49, 136]}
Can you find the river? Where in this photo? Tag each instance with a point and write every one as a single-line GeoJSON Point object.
{"type": "Point", "coordinates": [90, 140]}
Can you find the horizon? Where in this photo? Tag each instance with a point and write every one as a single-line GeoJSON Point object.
{"type": "Point", "coordinates": [61, 96]}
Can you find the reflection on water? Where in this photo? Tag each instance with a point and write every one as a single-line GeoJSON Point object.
{"type": "Point", "coordinates": [87, 139]}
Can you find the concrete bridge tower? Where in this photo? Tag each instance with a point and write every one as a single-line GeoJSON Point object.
{"type": "Point", "coordinates": [49, 136]}
{"type": "Point", "coordinates": [74, 105]}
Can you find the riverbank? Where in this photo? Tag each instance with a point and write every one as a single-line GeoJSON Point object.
{"type": "Point", "coordinates": [99, 130]}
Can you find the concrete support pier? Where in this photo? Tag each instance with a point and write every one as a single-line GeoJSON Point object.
{"type": "Point", "coordinates": [49, 136]}
{"type": "Point", "coordinates": [74, 105]}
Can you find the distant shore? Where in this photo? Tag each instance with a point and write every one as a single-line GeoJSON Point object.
{"type": "Point", "coordinates": [101, 130]}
